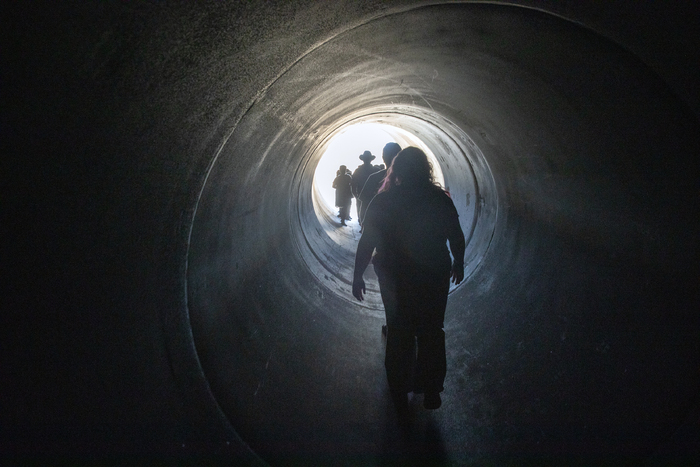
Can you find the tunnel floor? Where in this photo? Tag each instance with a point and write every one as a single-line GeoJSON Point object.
{"type": "Point", "coordinates": [512, 395]}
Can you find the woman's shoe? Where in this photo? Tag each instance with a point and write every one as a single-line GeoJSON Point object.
{"type": "Point", "coordinates": [432, 400]}
{"type": "Point", "coordinates": [400, 400]}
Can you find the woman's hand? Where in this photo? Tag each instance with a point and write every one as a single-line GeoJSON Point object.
{"type": "Point", "coordinates": [358, 288]}
{"type": "Point", "coordinates": [457, 274]}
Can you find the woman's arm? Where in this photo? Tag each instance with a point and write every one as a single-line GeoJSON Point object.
{"type": "Point", "coordinates": [365, 247]}
{"type": "Point", "coordinates": [457, 246]}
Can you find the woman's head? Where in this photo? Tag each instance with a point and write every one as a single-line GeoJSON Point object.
{"type": "Point", "coordinates": [410, 167]}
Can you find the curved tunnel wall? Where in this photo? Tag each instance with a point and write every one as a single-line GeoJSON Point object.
{"type": "Point", "coordinates": [576, 334]}
{"type": "Point", "coordinates": [582, 248]}
{"type": "Point", "coordinates": [461, 168]}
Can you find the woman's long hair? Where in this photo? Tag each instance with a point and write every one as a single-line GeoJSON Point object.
{"type": "Point", "coordinates": [410, 167]}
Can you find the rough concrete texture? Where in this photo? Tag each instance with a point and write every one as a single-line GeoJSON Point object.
{"type": "Point", "coordinates": [171, 295]}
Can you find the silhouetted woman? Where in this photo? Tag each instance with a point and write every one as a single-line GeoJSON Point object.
{"type": "Point", "coordinates": [409, 223]}
{"type": "Point", "coordinates": [343, 193]}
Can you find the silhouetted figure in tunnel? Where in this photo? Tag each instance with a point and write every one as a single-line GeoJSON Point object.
{"type": "Point", "coordinates": [409, 223]}
{"type": "Point", "coordinates": [343, 193]}
{"type": "Point", "coordinates": [374, 181]}
{"type": "Point", "coordinates": [359, 177]}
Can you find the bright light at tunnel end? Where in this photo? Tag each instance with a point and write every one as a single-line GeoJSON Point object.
{"type": "Point", "coordinates": [346, 145]}
{"type": "Point", "coordinates": [459, 166]}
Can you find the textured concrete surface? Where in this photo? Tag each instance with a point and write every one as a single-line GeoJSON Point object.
{"type": "Point", "coordinates": [171, 294]}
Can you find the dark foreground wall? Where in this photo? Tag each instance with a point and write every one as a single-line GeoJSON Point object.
{"type": "Point", "coordinates": [160, 301]}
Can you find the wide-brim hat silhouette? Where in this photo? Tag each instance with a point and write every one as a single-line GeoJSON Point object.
{"type": "Point", "coordinates": [367, 156]}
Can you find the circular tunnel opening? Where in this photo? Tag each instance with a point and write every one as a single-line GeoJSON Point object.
{"type": "Point", "coordinates": [579, 236]}
{"type": "Point", "coordinates": [328, 249]}
{"type": "Point", "coordinates": [344, 147]}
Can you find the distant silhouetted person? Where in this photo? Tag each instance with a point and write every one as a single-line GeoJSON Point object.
{"type": "Point", "coordinates": [409, 223]}
{"type": "Point", "coordinates": [343, 193]}
{"type": "Point", "coordinates": [359, 177]}
{"type": "Point", "coordinates": [374, 181]}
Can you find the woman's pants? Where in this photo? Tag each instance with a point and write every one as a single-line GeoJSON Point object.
{"type": "Point", "coordinates": [415, 346]}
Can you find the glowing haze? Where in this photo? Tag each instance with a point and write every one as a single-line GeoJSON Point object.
{"type": "Point", "coordinates": [349, 143]}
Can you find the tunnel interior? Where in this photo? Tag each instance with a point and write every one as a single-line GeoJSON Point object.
{"type": "Point", "coordinates": [176, 291]}
{"type": "Point", "coordinates": [555, 145]}
{"type": "Point", "coordinates": [318, 241]}
{"type": "Point", "coordinates": [343, 148]}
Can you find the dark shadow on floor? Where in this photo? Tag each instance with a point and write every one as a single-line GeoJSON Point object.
{"type": "Point", "coordinates": [417, 443]}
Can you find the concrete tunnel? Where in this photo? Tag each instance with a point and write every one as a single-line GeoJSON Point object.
{"type": "Point", "coordinates": [193, 295]}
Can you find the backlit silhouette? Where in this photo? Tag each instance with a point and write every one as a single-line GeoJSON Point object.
{"type": "Point", "coordinates": [409, 224]}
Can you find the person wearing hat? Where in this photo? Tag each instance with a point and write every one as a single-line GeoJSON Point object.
{"type": "Point", "coordinates": [359, 177]}
{"type": "Point", "coordinates": [375, 180]}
